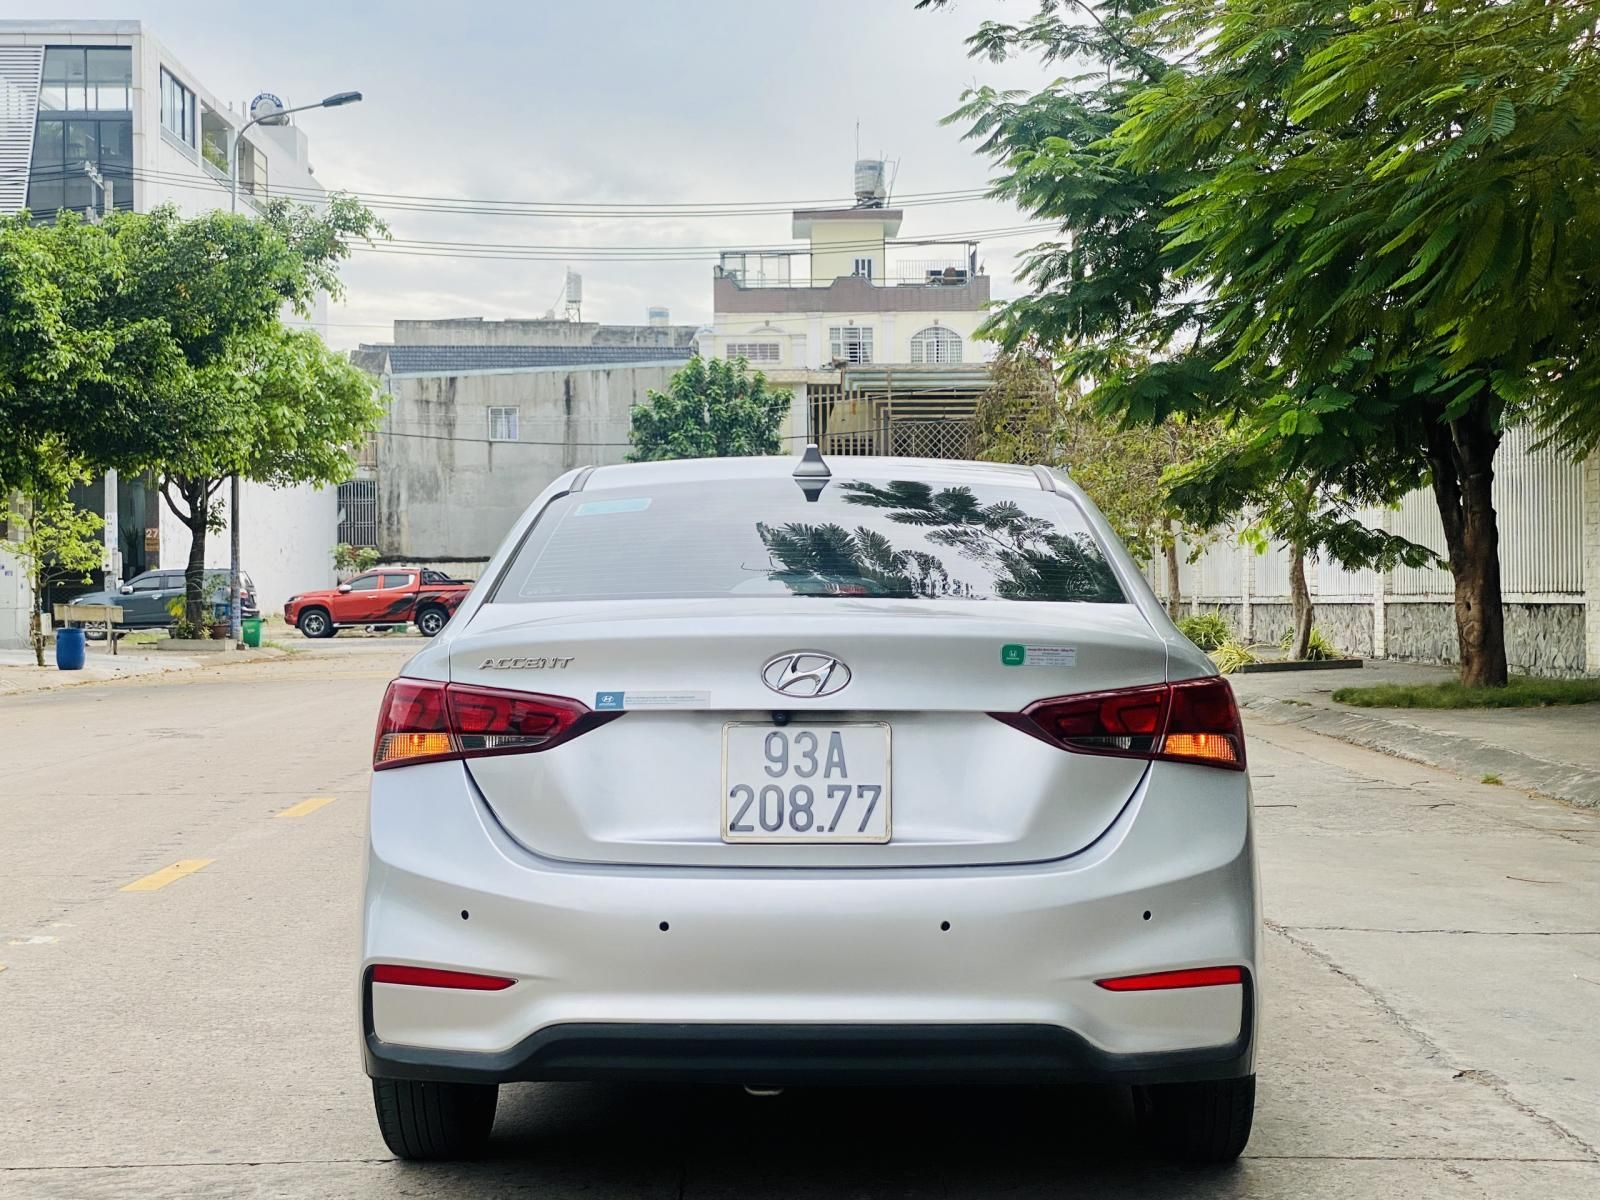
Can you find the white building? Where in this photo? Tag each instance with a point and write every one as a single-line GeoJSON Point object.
{"type": "Point", "coordinates": [84, 97]}
{"type": "Point", "coordinates": [874, 335]}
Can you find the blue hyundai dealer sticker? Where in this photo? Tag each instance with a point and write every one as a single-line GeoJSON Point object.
{"type": "Point", "coordinates": [616, 701]}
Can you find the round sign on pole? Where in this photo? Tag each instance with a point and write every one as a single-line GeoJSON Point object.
{"type": "Point", "coordinates": [265, 108]}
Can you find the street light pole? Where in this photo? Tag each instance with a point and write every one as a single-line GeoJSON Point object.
{"type": "Point", "coordinates": [235, 614]}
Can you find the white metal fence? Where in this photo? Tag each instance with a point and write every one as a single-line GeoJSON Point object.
{"type": "Point", "coordinates": [1538, 497]}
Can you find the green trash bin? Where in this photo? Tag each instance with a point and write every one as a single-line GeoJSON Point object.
{"type": "Point", "coordinates": [251, 627]}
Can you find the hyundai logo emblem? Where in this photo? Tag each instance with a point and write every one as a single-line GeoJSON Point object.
{"type": "Point", "coordinates": [805, 674]}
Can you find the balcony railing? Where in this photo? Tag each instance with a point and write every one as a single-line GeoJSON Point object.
{"type": "Point", "coordinates": [792, 269]}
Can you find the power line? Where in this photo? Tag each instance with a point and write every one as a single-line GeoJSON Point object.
{"type": "Point", "coordinates": [634, 210]}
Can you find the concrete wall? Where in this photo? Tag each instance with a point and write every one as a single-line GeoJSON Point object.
{"type": "Point", "coordinates": [14, 602]}
{"type": "Point", "coordinates": [286, 540]}
{"type": "Point", "coordinates": [835, 246]}
{"type": "Point", "coordinates": [447, 493]}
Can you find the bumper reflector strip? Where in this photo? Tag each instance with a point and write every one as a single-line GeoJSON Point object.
{"type": "Point", "coordinates": [428, 977]}
{"type": "Point", "coordinates": [1163, 981]}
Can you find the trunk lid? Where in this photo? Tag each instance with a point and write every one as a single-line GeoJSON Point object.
{"type": "Point", "coordinates": [649, 788]}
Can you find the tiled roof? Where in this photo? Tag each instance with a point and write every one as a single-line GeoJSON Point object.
{"type": "Point", "coordinates": [447, 360]}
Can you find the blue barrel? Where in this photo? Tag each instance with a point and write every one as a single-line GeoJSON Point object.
{"type": "Point", "coordinates": [70, 649]}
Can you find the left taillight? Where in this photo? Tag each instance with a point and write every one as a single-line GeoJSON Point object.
{"type": "Point", "coordinates": [1192, 721]}
{"type": "Point", "coordinates": [424, 721]}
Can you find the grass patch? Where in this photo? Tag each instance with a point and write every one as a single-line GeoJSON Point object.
{"type": "Point", "coordinates": [1492, 779]}
{"type": "Point", "coordinates": [1521, 692]}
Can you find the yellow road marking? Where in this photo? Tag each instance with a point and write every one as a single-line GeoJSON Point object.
{"type": "Point", "coordinates": [306, 807]}
{"type": "Point", "coordinates": [160, 879]}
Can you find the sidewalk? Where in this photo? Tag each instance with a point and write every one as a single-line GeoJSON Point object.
{"type": "Point", "coordinates": [1554, 751]}
{"type": "Point", "coordinates": [19, 675]}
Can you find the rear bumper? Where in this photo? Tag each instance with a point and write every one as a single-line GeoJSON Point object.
{"type": "Point", "coordinates": [771, 976]}
{"type": "Point", "coordinates": [797, 1055]}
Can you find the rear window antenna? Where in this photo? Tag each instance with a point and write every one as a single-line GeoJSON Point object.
{"type": "Point", "coordinates": [811, 465]}
{"type": "Point", "coordinates": [812, 473]}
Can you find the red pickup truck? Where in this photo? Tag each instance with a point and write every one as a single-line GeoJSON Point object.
{"type": "Point", "coordinates": [386, 596]}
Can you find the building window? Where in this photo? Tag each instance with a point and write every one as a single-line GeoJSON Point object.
{"type": "Point", "coordinates": [936, 344]}
{"type": "Point", "coordinates": [852, 343]}
{"type": "Point", "coordinates": [87, 79]}
{"type": "Point", "coordinates": [358, 512]}
{"type": "Point", "coordinates": [503, 424]}
{"type": "Point", "coordinates": [63, 146]}
{"type": "Point", "coordinates": [756, 352]}
{"type": "Point", "coordinates": [177, 108]}
{"type": "Point", "coordinates": [863, 268]}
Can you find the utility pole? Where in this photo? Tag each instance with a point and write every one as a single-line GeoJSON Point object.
{"type": "Point", "coordinates": [276, 117]}
{"type": "Point", "coordinates": [112, 542]}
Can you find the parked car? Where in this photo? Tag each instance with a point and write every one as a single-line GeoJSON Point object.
{"type": "Point", "coordinates": [387, 596]}
{"type": "Point", "coordinates": [634, 815]}
{"type": "Point", "coordinates": [145, 598]}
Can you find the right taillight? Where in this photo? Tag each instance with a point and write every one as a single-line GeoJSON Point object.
{"type": "Point", "coordinates": [1193, 721]}
{"type": "Point", "coordinates": [424, 721]}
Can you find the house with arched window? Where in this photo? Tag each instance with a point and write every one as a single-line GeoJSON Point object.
{"type": "Point", "coordinates": [873, 335]}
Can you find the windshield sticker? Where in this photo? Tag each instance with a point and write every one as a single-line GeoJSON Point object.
{"type": "Point", "coordinates": [1013, 655]}
{"type": "Point", "coordinates": [617, 701]}
{"type": "Point", "coordinates": [600, 508]}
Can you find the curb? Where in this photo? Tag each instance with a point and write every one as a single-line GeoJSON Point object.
{"type": "Point", "coordinates": [1464, 756]}
{"type": "Point", "coordinates": [1308, 664]}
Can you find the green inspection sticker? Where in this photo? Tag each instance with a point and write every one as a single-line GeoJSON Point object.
{"type": "Point", "coordinates": [1013, 655]}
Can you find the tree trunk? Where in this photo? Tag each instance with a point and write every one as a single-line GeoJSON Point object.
{"type": "Point", "coordinates": [1174, 596]}
{"type": "Point", "coordinates": [1461, 459]}
{"type": "Point", "coordinates": [1300, 604]}
{"type": "Point", "coordinates": [196, 495]}
{"type": "Point", "coordinates": [194, 572]}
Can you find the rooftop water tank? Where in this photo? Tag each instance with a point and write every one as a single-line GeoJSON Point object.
{"type": "Point", "coordinates": [870, 186]}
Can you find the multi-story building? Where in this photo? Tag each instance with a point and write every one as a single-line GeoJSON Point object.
{"type": "Point", "coordinates": [97, 114]}
{"type": "Point", "coordinates": [873, 335]}
{"type": "Point", "coordinates": [483, 415]}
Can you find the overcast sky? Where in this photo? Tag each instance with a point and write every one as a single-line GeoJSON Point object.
{"type": "Point", "coordinates": [617, 101]}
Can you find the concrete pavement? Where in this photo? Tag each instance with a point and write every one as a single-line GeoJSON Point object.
{"type": "Point", "coordinates": [1554, 751]}
{"type": "Point", "coordinates": [1432, 975]}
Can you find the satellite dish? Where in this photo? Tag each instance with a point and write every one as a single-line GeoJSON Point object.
{"type": "Point", "coordinates": [267, 109]}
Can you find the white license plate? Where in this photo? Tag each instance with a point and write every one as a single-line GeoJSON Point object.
{"type": "Point", "coordinates": [805, 783]}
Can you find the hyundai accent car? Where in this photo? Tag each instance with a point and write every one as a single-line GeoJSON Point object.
{"type": "Point", "coordinates": [769, 772]}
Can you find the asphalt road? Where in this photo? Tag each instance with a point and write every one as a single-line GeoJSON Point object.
{"type": "Point", "coordinates": [1432, 988]}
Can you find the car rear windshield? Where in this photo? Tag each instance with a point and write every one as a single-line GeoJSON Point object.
{"type": "Point", "coordinates": [894, 539]}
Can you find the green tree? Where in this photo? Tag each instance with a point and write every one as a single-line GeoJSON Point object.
{"type": "Point", "coordinates": [1401, 201]}
{"type": "Point", "coordinates": [1161, 314]}
{"type": "Point", "coordinates": [154, 343]}
{"type": "Point", "coordinates": [714, 408]}
{"type": "Point", "coordinates": [57, 539]}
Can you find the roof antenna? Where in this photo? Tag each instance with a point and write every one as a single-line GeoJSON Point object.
{"type": "Point", "coordinates": [812, 473]}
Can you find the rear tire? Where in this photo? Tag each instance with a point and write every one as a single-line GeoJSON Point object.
{"type": "Point", "coordinates": [431, 620]}
{"type": "Point", "coordinates": [1204, 1123]}
{"type": "Point", "coordinates": [434, 1120]}
{"type": "Point", "coordinates": [315, 623]}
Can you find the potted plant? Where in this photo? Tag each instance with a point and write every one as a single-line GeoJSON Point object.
{"type": "Point", "coordinates": [183, 633]}
{"type": "Point", "coordinates": [350, 561]}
